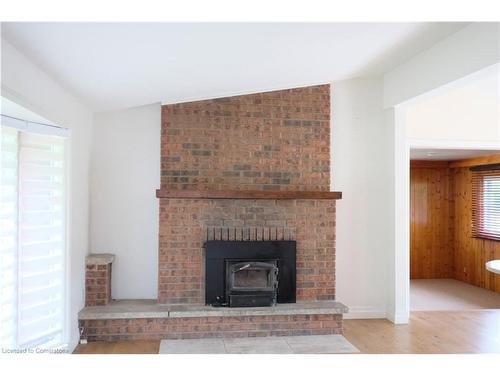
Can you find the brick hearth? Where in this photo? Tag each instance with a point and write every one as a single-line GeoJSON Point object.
{"type": "Point", "coordinates": [145, 319]}
{"type": "Point", "coordinates": [211, 327]}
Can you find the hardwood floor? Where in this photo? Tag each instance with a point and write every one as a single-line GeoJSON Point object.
{"type": "Point", "coordinates": [434, 332]}
{"type": "Point", "coordinates": [455, 332]}
{"type": "Point", "coordinates": [121, 347]}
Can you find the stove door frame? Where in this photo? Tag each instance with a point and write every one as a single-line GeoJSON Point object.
{"type": "Point", "coordinates": [217, 251]}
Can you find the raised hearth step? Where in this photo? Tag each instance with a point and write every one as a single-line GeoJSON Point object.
{"type": "Point", "coordinates": [137, 309]}
{"type": "Point", "coordinates": [310, 308]}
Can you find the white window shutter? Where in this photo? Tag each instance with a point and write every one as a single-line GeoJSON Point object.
{"type": "Point", "coordinates": [8, 236]}
{"type": "Point", "coordinates": [35, 200]}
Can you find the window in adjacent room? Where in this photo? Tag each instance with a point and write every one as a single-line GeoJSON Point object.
{"type": "Point", "coordinates": [486, 202]}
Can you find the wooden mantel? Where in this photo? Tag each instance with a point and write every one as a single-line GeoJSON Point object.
{"type": "Point", "coordinates": [247, 194]}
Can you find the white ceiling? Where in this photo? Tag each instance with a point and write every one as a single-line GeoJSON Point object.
{"type": "Point", "coordinates": [440, 154]}
{"type": "Point", "coordinates": [117, 65]}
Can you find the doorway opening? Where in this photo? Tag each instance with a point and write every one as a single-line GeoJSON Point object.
{"type": "Point", "coordinates": [447, 255]}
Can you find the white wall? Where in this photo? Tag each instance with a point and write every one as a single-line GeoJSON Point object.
{"type": "Point", "coordinates": [362, 168]}
{"type": "Point", "coordinates": [472, 48]}
{"type": "Point", "coordinates": [124, 209]}
{"type": "Point", "coordinates": [466, 111]}
{"type": "Point", "coordinates": [26, 84]}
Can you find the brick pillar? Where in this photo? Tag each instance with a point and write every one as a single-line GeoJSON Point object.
{"type": "Point", "coordinates": [98, 279]}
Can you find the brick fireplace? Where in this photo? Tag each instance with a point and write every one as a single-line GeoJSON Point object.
{"type": "Point", "coordinates": [272, 142]}
{"type": "Point", "coordinates": [238, 168]}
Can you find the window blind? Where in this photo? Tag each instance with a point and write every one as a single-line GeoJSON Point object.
{"type": "Point", "coordinates": [8, 236]}
{"type": "Point", "coordinates": [486, 202]}
{"type": "Point", "coordinates": [34, 170]}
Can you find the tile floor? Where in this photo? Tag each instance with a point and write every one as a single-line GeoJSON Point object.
{"type": "Point", "coordinates": [261, 345]}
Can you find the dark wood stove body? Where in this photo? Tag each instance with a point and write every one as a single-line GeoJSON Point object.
{"type": "Point", "coordinates": [250, 273]}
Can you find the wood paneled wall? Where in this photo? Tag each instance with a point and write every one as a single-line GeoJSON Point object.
{"type": "Point", "coordinates": [471, 253]}
{"type": "Point", "coordinates": [431, 223]}
{"type": "Point", "coordinates": [441, 244]}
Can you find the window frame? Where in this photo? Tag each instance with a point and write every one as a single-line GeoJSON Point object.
{"type": "Point", "coordinates": [479, 175]}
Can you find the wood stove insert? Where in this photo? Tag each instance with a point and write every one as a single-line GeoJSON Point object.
{"type": "Point", "coordinates": [250, 273]}
{"type": "Point", "coordinates": [251, 283]}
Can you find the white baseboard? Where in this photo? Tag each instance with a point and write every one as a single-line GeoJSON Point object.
{"type": "Point", "coordinates": [400, 318]}
{"type": "Point", "coordinates": [365, 313]}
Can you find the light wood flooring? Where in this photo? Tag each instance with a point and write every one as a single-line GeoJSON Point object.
{"type": "Point", "coordinates": [453, 332]}
{"type": "Point", "coordinates": [443, 332]}
{"type": "Point", "coordinates": [120, 347]}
